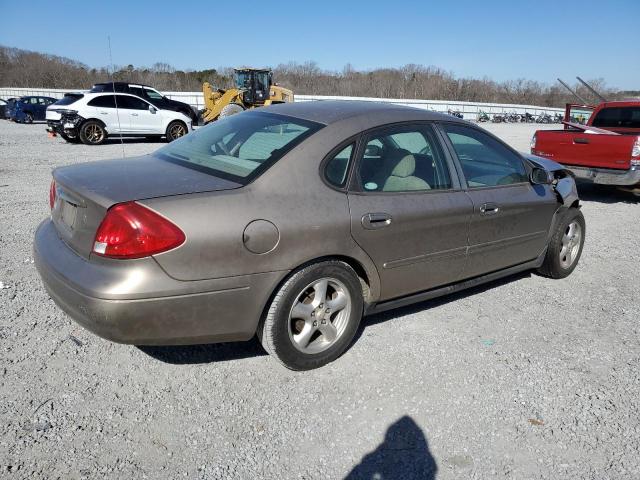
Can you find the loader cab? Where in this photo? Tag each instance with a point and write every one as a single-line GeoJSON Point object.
{"type": "Point", "coordinates": [255, 85]}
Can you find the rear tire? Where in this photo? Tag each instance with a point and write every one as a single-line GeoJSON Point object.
{"type": "Point", "coordinates": [175, 130]}
{"type": "Point", "coordinates": [92, 132]}
{"type": "Point", "coordinates": [565, 247]}
{"type": "Point", "coordinates": [28, 118]}
{"type": "Point", "coordinates": [313, 316]}
{"type": "Point", "coordinates": [230, 109]}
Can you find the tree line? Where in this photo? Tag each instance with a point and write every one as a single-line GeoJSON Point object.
{"type": "Point", "coordinates": [22, 68]}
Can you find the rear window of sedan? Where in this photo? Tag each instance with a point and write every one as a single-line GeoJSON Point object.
{"type": "Point", "coordinates": [240, 147]}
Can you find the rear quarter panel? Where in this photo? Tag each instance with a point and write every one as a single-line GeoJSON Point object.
{"type": "Point", "coordinates": [312, 220]}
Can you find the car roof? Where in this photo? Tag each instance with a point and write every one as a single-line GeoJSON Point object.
{"type": "Point", "coordinates": [376, 113]}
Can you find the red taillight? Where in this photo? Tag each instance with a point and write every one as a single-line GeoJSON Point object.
{"type": "Point", "coordinates": [52, 194]}
{"type": "Point", "coordinates": [130, 230]}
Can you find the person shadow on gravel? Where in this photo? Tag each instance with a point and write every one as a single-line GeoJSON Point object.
{"type": "Point", "coordinates": [404, 454]}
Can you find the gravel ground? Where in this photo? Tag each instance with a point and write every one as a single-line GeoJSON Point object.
{"type": "Point", "coordinates": [524, 378]}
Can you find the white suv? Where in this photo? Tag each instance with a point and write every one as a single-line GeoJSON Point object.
{"type": "Point", "coordinates": [92, 117]}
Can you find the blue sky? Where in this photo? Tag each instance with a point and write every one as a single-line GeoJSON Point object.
{"type": "Point", "coordinates": [503, 40]}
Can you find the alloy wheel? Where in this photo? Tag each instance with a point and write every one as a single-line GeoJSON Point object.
{"type": "Point", "coordinates": [319, 315]}
{"type": "Point", "coordinates": [570, 244]}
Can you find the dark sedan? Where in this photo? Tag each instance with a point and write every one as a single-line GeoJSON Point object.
{"type": "Point", "coordinates": [293, 221]}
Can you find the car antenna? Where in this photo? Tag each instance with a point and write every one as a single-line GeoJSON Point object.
{"type": "Point", "coordinates": [115, 98]}
{"type": "Point", "coordinates": [573, 92]}
{"type": "Point", "coordinates": [591, 89]}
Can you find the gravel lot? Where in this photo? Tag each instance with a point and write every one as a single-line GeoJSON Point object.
{"type": "Point", "coordinates": [525, 378]}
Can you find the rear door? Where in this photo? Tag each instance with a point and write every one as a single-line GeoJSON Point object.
{"type": "Point", "coordinates": [511, 217]}
{"type": "Point", "coordinates": [408, 211]}
{"type": "Point", "coordinates": [104, 109]}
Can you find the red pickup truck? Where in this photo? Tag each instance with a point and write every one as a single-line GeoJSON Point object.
{"type": "Point", "coordinates": [600, 144]}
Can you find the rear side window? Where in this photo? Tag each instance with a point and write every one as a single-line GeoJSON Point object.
{"type": "Point", "coordinates": [337, 167]}
{"type": "Point", "coordinates": [239, 147]}
{"type": "Point", "coordinates": [484, 160]}
{"type": "Point", "coordinates": [104, 101]}
{"type": "Point", "coordinates": [618, 117]}
{"type": "Point", "coordinates": [69, 98]}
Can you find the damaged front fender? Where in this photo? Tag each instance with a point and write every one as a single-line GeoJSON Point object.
{"type": "Point", "coordinates": [563, 182]}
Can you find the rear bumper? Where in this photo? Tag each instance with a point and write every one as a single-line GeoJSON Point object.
{"type": "Point", "coordinates": [607, 176]}
{"type": "Point", "coordinates": [136, 302]}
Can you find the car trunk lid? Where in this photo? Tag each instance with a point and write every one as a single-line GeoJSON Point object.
{"type": "Point", "coordinates": [85, 192]}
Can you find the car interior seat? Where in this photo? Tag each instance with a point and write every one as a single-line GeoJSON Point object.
{"type": "Point", "coordinates": [402, 177]}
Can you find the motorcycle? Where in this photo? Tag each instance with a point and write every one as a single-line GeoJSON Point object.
{"type": "Point", "coordinates": [483, 117]}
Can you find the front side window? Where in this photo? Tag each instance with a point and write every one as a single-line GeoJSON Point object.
{"type": "Point", "coordinates": [239, 147]}
{"type": "Point", "coordinates": [152, 94]}
{"type": "Point", "coordinates": [404, 159]}
{"type": "Point", "coordinates": [618, 117]}
{"type": "Point", "coordinates": [337, 168]}
{"type": "Point", "coordinates": [485, 161]}
{"type": "Point", "coordinates": [131, 103]}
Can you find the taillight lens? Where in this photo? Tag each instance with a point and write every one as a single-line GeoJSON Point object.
{"type": "Point", "coordinates": [635, 151]}
{"type": "Point", "coordinates": [534, 139]}
{"type": "Point", "coordinates": [130, 230]}
{"type": "Point", "coordinates": [52, 194]}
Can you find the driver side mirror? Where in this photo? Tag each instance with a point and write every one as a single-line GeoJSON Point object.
{"type": "Point", "coordinates": [152, 109]}
{"type": "Point", "coordinates": [539, 176]}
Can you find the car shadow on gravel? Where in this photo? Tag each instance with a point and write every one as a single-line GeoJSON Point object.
{"type": "Point", "coordinates": [605, 194]}
{"type": "Point", "coordinates": [436, 302]}
{"type": "Point", "coordinates": [404, 454]}
{"type": "Point", "coordinates": [206, 353]}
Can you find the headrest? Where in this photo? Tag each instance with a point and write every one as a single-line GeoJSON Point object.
{"type": "Point", "coordinates": [405, 167]}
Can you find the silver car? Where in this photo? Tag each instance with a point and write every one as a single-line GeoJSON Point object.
{"type": "Point", "coordinates": [293, 221]}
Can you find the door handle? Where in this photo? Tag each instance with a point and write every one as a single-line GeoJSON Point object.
{"type": "Point", "coordinates": [489, 209]}
{"type": "Point", "coordinates": [582, 141]}
{"type": "Point", "coordinates": [104, 113]}
{"type": "Point", "coordinates": [134, 114]}
{"type": "Point", "coordinates": [372, 221]}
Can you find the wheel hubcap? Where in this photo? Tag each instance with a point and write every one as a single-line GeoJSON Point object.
{"type": "Point", "coordinates": [319, 315]}
{"type": "Point", "coordinates": [570, 244]}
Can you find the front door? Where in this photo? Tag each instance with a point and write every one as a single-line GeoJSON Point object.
{"type": "Point", "coordinates": [511, 217]}
{"type": "Point", "coordinates": [141, 118]}
{"type": "Point", "coordinates": [407, 210]}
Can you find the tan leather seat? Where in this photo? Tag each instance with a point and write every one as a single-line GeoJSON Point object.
{"type": "Point", "coordinates": [402, 178]}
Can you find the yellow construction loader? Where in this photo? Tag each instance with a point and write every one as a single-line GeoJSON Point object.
{"type": "Point", "coordinates": [254, 88]}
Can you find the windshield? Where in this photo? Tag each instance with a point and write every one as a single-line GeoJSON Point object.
{"type": "Point", "coordinates": [243, 80]}
{"type": "Point", "coordinates": [239, 147]}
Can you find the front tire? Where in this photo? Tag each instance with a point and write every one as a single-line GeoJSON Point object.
{"type": "Point", "coordinates": [314, 316]}
{"type": "Point", "coordinates": [565, 246]}
{"type": "Point", "coordinates": [28, 118]}
{"type": "Point", "coordinates": [175, 130]}
{"type": "Point", "coordinates": [92, 132]}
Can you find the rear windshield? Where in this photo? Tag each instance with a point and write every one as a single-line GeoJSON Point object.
{"type": "Point", "coordinates": [240, 147]}
{"type": "Point", "coordinates": [618, 117]}
{"type": "Point", "coordinates": [69, 98]}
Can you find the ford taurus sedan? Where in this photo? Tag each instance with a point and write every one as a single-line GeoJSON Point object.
{"type": "Point", "coordinates": [293, 221]}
